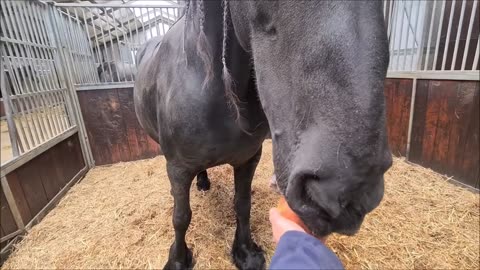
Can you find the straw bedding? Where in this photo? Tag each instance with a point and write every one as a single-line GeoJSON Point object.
{"type": "Point", "coordinates": [120, 217]}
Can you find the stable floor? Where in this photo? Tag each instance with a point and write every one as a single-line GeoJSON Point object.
{"type": "Point", "coordinates": [120, 217]}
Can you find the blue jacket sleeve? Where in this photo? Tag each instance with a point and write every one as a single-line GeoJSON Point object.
{"type": "Point", "coordinates": [298, 250]}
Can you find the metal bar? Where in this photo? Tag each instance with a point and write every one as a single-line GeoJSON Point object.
{"type": "Point", "coordinates": [432, 18]}
{"type": "Point", "coordinates": [119, 54]}
{"type": "Point", "coordinates": [447, 40]}
{"type": "Point", "coordinates": [401, 35]}
{"type": "Point", "coordinates": [137, 36]}
{"type": "Point", "coordinates": [11, 165]}
{"type": "Point", "coordinates": [106, 54]}
{"type": "Point", "coordinates": [23, 42]}
{"type": "Point", "coordinates": [81, 47]}
{"type": "Point", "coordinates": [73, 106]}
{"type": "Point", "coordinates": [74, 45]}
{"type": "Point", "coordinates": [473, 75]}
{"type": "Point", "coordinates": [11, 235]}
{"type": "Point", "coordinates": [37, 51]}
{"type": "Point", "coordinates": [459, 32]}
{"type": "Point", "coordinates": [112, 51]}
{"type": "Point", "coordinates": [163, 22]}
{"type": "Point", "coordinates": [95, 79]}
{"type": "Point", "coordinates": [417, 49]}
{"type": "Point", "coordinates": [390, 22]}
{"type": "Point", "coordinates": [156, 23]}
{"type": "Point", "coordinates": [12, 203]}
{"type": "Point", "coordinates": [7, 95]}
{"type": "Point", "coordinates": [115, 6]}
{"type": "Point", "coordinates": [393, 35]}
{"type": "Point", "coordinates": [143, 26]}
{"type": "Point", "coordinates": [98, 47]}
{"type": "Point", "coordinates": [18, 31]}
{"type": "Point", "coordinates": [12, 129]}
{"type": "Point", "coordinates": [63, 22]}
{"type": "Point", "coordinates": [469, 34]}
{"type": "Point", "coordinates": [41, 38]}
{"type": "Point", "coordinates": [409, 16]}
{"type": "Point", "coordinates": [410, 120]}
{"type": "Point", "coordinates": [475, 58]}
{"type": "Point", "coordinates": [105, 86]}
{"type": "Point", "coordinates": [439, 32]}
{"type": "Point", "coordinates": [149, 23]}
{"type": "Point", "coordinates": [85, 46]}
{"type": "Point", "coordinates": [34, 94]}
{"type": "Point", "coordinates": [132, 78]}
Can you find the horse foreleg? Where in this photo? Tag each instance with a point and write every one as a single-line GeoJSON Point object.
{"type": "Point", "coordinates": [245, 252]}
{"type": "Point", "coordinates": [180, 257]}
{"type": "Point", "coordinates": [203, 183]}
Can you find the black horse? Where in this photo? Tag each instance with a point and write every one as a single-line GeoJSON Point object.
{"type": "Point", "coordinates": [319, 69]}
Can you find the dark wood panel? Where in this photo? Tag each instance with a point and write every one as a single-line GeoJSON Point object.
{"type": "Point", "coordinates": [19, 196]}
{"type": "Point", "coordinates": [7, 222]}
{"type": "Point", "coordinates": [445, 130]}
{"type": "Point", "coordinates": [398, 100]}
{"type": "Point", "coordinates": [112, 126]}
{"type": "Point", "coordinates": [50, 180]}
{"type": "Point", "coordinates": [32, 186]}
{"type": "Point", "coordinates": [38, 181]}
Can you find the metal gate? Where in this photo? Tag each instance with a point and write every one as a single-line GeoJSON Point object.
{"type": "Point", "coordinates": [51, 50]}
{"type": "Point", "coordinates": [40, 103]}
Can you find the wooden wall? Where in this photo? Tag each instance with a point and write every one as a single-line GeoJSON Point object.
{"type": "Point", "coordinates": [398, 95]}
{"type": "Point", "coordinates": [444, 134]}
{"type": "Point", "coordinates": [38, 181]}
{"type": "Point", "coordinates": [35, 183]}
{"type": "Point", "coordinates": [7, 222]}
{"type": "Point", "coordinates": [112, 126]}
{"type": "Point", "coordinates": [445, 131]}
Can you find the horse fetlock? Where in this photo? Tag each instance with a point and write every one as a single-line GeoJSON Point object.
{"type": "Point", "coordinates": [203, 184]}
{"type": "Point", "coordinates": [180, 257]}
{"type": "Point", "coordinates": [248, 255]}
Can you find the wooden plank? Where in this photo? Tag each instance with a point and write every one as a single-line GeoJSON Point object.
{"type": "Point", "coordinates": [112, 126]}
{"type": "Point", "coordinates": [19, 196]}
{"type": "Point", "coordinates": [104, 123]}
{"type": "Point", "coordinates": [445, 91]}
{"type": "Point", "coordinates": [94, 115]}
{"type": "Point", "coordinates": [32, 186]}
{"type": "Point", "coordinates": [131, 126]}
{"type": "Point", "coordinates": [78, 160]}
{"type": "Point", "coordinates": [48, 174]}
{"type": "Point", "coordinates": [431, 121]}
{"type": "Point", "coordinates": [7, 221]}
{"type": "Point", "coordinates": [398, 98]}
{"type": "Point", "coordinates": [471, 159]}
{"type": "Point", "coordinates": [418, 125]}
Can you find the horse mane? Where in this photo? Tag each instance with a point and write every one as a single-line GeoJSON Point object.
{"type": "Point", "coordinates": [204, 49]}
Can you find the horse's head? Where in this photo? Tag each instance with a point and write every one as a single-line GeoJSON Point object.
{"type": "Point", "coordinates": [320, 68]}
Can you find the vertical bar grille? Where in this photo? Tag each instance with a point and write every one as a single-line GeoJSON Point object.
{"type": "Point", "coordinates": [438, 35]}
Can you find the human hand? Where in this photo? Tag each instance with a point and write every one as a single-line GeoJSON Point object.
{"type": "Point", "coordinates": [281, 225]}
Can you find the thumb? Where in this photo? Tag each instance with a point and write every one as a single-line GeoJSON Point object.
{"type": "Point", "coordinates": [274, 215]}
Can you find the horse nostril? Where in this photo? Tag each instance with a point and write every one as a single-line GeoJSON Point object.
{"type": "Point", "coordinates": [308, 191]}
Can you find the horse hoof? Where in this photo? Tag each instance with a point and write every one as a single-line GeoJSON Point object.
{"type": "Point", "coordinates": [203, 184]}
{"type": "Point", "coordinates": [248, 258]}
{"type": "Point", "coordinates": [188, 263]}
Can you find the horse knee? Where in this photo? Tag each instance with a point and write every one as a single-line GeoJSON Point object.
{"type": "Point", "coordinates": [181, 219]}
